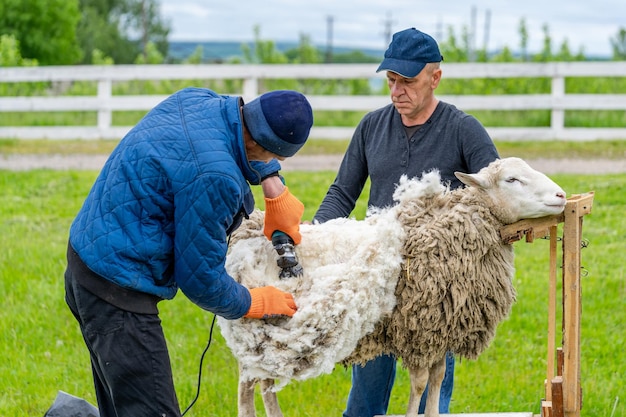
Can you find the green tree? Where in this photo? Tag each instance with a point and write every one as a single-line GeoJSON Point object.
{"type": "Point", "coordinates": [468, 48]}
{"type": "Point", "coordinates": [451, 50]}
{"type": "Point", "coordinates": [196, 56]}
{"type": "Point", "coordinates": [151, 55]}
{"type": "Point", "coordinates": [618, 44]}
{"type": "Point", "coordinates": [523, 34]}
{"type": "Point", "coordinates": [264, 52]}
{"type": "Point", "coordinates": [305, 53]}
{"type": "Point", "coordinates": [98, 29]}
{"type": "Point", "coordinates": [564, 53]}
{"type": "Point", "coordinates": [121, 29]}
{"type": "Point", "coordinates": [505, 55]}
{"type": "Point", "coordinates": [45, 29]}
{"type": "Point", "coordinates": [546, 52]}
{"type": "Point", "coordinates": [142, 21]}
{"type": "Point", "coordinates": [10, 55]}
{"type": "Point", "coordinates": [99, 58]}
{"type": "Point", "coordinates": [355, 57]}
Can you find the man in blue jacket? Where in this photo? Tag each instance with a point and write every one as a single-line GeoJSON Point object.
{"type": "Point", "coordinates": [158, 218]}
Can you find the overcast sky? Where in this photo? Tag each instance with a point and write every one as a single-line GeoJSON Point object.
{"type": "Point", "coordinates": [363, 23]}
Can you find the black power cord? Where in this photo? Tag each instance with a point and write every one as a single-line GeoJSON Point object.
{"type": "Point", "coordinates": [200, 369]}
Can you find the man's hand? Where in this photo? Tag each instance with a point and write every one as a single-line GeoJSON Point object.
{"type": "Point", "coordinates": [283, 213]}
{"type": "Point", "coordinates": [270, 301]}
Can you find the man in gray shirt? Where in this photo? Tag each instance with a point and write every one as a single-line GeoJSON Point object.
{"type": "Point", "coordinates": [414, 134]}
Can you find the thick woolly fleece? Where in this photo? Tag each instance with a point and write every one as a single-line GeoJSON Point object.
{"type": "Point", "coordinates": [456, 286]}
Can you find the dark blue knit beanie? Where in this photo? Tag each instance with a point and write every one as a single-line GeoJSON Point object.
{"type": "Point", "coordinates": [279, 121]}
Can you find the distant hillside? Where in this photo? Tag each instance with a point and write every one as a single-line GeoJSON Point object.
{"type": "Point", "coordinates": [223, 51]}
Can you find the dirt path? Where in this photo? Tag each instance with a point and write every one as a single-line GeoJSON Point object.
{"type": "Point", "coordinates": [301, 163]}
{"type": "Point", "coordinates": [547, 166]}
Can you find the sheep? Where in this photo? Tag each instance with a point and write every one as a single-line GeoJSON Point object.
{"type": "Point", "coordinates": [426, 276]}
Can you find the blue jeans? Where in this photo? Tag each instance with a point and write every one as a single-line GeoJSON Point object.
{"type": "Point", "coordinates": [372, 384]}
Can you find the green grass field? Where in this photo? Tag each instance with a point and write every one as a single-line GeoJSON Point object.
{"type": "Point", "coordinates": [42, 350]}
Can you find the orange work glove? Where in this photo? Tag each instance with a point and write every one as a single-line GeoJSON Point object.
{"type": "Point", "coordinates": [283, 213]}
{"type": "Point", "coordinates": [270, 301]}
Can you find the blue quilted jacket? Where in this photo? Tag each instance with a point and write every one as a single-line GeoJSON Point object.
{"type": "Point", "coordinates": [159, 213]}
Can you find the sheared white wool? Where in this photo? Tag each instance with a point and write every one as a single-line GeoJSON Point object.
{"type": "Point", "coordinates": [351, 271]}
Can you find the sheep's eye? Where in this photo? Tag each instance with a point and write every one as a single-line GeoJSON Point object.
{"type": "Point", "coordinates": [511, 180]}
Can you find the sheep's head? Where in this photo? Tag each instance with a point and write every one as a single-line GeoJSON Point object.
{"type": "Point", "coordinates": [517, 190]}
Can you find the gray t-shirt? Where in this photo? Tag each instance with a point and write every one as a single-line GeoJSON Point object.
{"type": "Point", "coordinates": [449, 141]}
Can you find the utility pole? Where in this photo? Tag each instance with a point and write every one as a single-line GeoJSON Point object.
{"type": "Point", "coordinates": [387, 32]}
{"type": "Point", "coordinates": [471, 53]}
{"type": "Point", "coordinates": [329, 39]}
{"type": "Point", "coordinates": [439, 30]}
{"type": "Point", "coordinates": [144, 30]}
{"type": "Point", "coordinates": [486, 34]}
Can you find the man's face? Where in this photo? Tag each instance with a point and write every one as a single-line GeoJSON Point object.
{"type": "Point", "coordinates": [256, 152]}
{"type": "Point", "coordinates": [410, 95]}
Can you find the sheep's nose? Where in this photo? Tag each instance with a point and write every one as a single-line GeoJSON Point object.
{"type": "Point", "coordinates": [560, 194]}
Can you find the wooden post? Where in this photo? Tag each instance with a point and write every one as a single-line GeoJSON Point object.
{"type": "Point", "coordinates": [557, 115]}
{"type": "Point", "coordinates": [250, 88]}
{"type": "Point", "coordinates": [563, 390]}
{"type": "Point", "coordinates": [557, 392]}
{"type": "Point", "coordinates": [105, 115]}
{"type": "Point", "coordinates": [551, 311]}
{"type": "Point", "coordinates": [575, 209]}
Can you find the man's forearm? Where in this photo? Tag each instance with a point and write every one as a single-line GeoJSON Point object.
{"type": "Point", "coordinates": [272, 187]}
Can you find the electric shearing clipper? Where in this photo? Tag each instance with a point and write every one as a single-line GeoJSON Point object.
{"type": "Point", "coordinates": [287, 259]}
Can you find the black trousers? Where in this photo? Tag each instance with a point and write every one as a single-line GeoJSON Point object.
{"type": "Point", "coordinates": [129, 357]}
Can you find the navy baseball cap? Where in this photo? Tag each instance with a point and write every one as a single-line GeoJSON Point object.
{"type": "Point", "coordinates": [409, 52]}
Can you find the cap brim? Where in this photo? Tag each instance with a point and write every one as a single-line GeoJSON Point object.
{"type": "Point", "coordinates": [407, 69]}
{"type": "Point", "coordinates": [263, 134]}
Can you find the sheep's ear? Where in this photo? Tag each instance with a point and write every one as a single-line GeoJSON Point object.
{"type": "Point", "coordinates": [471, 180]}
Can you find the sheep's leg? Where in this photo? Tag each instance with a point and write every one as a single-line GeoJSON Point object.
{"type": "Point", "coordinates": [270, 400]}
{"type": "Point", "coordinates": [245, 400]}
{"type": "Point", "coordinates": [419, 378]}
{"type": "Point", "coordinates": [435, 378]}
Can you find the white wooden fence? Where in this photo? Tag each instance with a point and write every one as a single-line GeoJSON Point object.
{"type": "Point", "coordinates": [104, 103]}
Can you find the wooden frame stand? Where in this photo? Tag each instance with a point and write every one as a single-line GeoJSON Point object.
{"type": "Point", "coordinates": [563, 390]}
